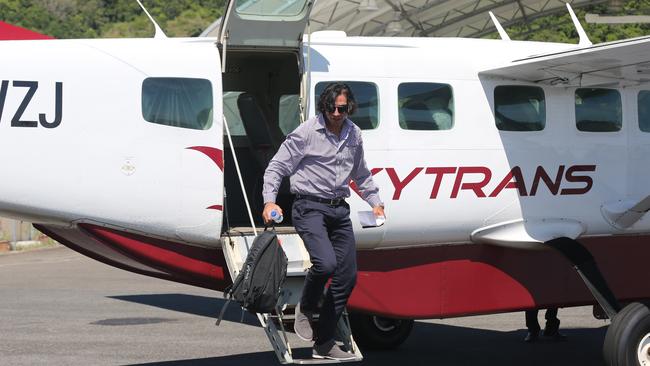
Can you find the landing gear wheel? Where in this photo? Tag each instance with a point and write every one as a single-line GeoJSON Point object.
{"type": "Point", "coordinates": [376, 332]}
{"type": "Point", "coordinates": [627, 342]}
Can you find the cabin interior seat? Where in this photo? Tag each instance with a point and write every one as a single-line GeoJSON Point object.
{"type": "Point", "coordinates": [262, 143]}
{"type": "Point", "coordinates": [441, 113]}
{"type": "Point", "coordinates": [521, 116]}
{"type": "Point", "coordinates": [595, 118]}
{"type": "Point", "coordinates": [417, 116]}
{"type": "Point", "coordinates": [362, 120]}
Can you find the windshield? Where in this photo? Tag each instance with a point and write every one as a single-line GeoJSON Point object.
{"type": "Point", "coordinates": [270, 7]}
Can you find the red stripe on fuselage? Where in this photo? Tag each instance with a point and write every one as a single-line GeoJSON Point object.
{"type": "Point", "coordinates": [430, 282]}
{"type": "Point", "coordinates": [212, 152]}
{"type": "Point", "coordinates": [456, 280]}
{"type": "Point", "coordinates": [216, 155]}
{"type": "Point", "coordinates": [205, 266]}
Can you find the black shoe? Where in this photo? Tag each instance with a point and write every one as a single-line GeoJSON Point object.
{"type": "Point", "coordinates": [531, 337]}
{"type": "Point", "coordinates": [554, 335]}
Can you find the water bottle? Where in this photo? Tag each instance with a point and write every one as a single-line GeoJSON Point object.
{"type": "Point", "coordinates": [276, 217]}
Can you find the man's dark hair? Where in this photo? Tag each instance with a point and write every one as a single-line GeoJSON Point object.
{"type": "Point", "coordinates": [328, 97]}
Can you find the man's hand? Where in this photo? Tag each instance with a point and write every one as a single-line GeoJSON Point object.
{"type": "Point", "coordinates": [268, 208]}
{"type": "Point", "coordinates": [378, 211]}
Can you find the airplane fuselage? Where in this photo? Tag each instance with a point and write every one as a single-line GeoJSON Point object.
{"type": "Point", "coordinates": [85, 164]}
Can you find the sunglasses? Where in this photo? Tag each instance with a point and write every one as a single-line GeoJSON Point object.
{"type": "Point", "coordinates": [341, 108]}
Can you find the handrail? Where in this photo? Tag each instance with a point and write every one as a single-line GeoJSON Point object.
{"type": "Point", "coordinates": [241, 180]}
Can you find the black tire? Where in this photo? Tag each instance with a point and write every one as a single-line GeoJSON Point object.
{"type": "Point", "coordinates": [380, 333]}
{"type": "Point", "coordinates": [628, 329]}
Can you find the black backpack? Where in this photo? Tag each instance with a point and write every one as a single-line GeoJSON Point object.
{"type": "Point", "coordinates": [258, 284]}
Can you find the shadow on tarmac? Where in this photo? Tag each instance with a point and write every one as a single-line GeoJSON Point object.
{"type": "Point", "coordinates": [193, 304]}
{"type": "Point", "coordinates": [429, 343]}
{"type": "Point", "coordinates": [434, 344]}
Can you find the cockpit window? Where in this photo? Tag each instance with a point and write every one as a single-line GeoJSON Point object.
{"type": "Point", "coordinates": [644, 110]}
{"type": "Point", "coordinates": [178, 102]}
{"type": "Point", "coordinates": [367, 114]}
{"type": "Point", "coordinates": [519, 108]}
{"type": "Point", "coordinates": [270, 7]}
{"type": "Point", "coordinates": [598, 110]}
{"type": "Point", "coordinates": [425, 106]}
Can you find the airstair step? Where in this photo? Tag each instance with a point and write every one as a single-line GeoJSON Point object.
{"type": "Point", "coordinates": [235, 245]}
{"type": "Point", "coordinates": [316, 361]}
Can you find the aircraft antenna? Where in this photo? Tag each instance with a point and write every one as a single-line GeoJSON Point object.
{"type": "Point", "coordinates": [159, 32]}
{"type": "Point", "coordinates": [502, 32]}
{"type": "Point", "coordinates": [584, 40]}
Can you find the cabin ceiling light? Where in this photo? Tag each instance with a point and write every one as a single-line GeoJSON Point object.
{"type": "Point", "coordinates": [368, 5]}
{"type": "Point", "coordinates": [395, 27]}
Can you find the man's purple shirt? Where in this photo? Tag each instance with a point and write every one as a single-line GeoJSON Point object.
{"type": "Point", "coordinates": [321, 164]}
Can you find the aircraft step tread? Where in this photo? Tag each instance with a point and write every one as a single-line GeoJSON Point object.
{"type": "Point", "coordinates": [276, 332]}
{"type": "Point", "coordinates": [316, 361]}
{"type": "Point", "coordinates": [248, 230]}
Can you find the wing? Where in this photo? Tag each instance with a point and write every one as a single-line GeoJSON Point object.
{"type": "Point", "coordinates": [624, 62]}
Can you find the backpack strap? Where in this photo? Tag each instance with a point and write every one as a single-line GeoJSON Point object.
{"type": "Point", "coordinates": [228, 293]}
{"type": "Point", "coordinates": [223, 311]}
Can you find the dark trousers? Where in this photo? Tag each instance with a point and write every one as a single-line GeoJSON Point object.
{"type": "Point", "coordinates": [327, 233]}
{"type": "Point", "coordinates": [552, 322]}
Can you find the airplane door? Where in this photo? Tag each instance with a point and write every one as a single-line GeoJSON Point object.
{"type": "Point", "coordinates": [263, 24]}
{"type": "Point", "coordinates": [259, 43]}
{"type": "Point", "coordinates": [163, 131]}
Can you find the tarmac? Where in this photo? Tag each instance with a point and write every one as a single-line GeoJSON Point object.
{"type": "Point", "coordinates": [58, 307]}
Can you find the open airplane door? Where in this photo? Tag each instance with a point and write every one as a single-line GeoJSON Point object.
{"type": "Point", "coordinates": [262, 67]}
{"type": "Point", "coordinates": [263, 24]}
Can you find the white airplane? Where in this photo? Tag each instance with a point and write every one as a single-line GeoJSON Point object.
{"type": "Point", "coordinates": [505, 166]}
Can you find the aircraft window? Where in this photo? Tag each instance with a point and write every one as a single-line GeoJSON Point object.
{"type": "Point", "coordinates": [367, 114]}
{"type": "Point", "coordinates": [178, 102]}
{"type": "Point", "coordinates": [644, 110]}
{"type": "Point", "coordinates": [270, 7]}
{"type": "Point", "coordinates": [425, 106]}
{"type": "Point", "coordinates": [231, 112]}
{"type": "Point", "coordinates": [519, 108]}
{"type": "Point", "coordinates": [598, 110]}
{"type": "Point", "coordinates": [289, 113]}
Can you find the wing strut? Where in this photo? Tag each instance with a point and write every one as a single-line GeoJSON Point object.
{"type": "Point", "coordinates": [584, 263]}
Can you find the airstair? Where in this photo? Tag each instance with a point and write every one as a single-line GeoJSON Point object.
{"type": "Point", "coordinates": [236, 244]}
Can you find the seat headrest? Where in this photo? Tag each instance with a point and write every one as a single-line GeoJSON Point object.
{"type": "Point", "coordinates": [254, 121]}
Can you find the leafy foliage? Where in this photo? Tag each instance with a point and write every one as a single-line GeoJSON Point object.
{"type": "Point", "coordinates": [110, 18]}
{"type": "Point", "coordinates": [124, 18]}
{"type": "Point", "coordinates": [559, 27]}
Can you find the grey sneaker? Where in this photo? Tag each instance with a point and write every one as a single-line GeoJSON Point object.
{"type": "Point", "coordinates": [302, 325]}
{"type": "Point", "coordinates": [331, 351]}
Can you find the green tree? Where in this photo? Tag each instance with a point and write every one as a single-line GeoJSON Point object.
{"type": "Point", "coordinates": [559, 27]}
{"type": "Point", "coordinates": [183, 18]}
{"type": "Point", "coordinates": [110, 18]}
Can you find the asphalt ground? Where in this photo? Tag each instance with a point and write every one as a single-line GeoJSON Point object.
{"type": "Point", "coordinates": [58, 307]}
